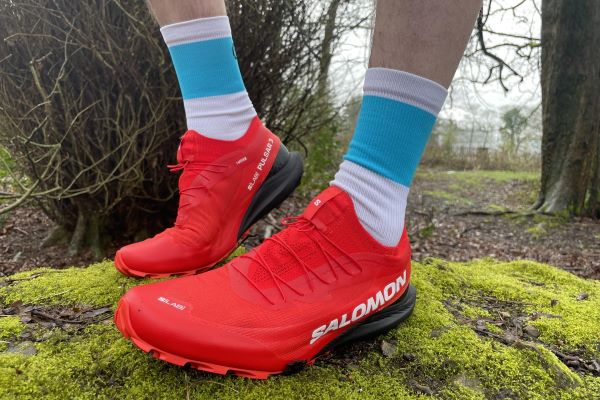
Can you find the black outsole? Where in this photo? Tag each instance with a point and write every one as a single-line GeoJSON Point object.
{"type": "Point", "coordinates": [284, 177]}
{"type": "Point", "coordinates": [378, 323]}
{"type": "Point", "coordinates": [375, 325]}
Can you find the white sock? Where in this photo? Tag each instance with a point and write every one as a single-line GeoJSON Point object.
{"type": "Point", "coordinates": [379, 202]}
{"type": "Point", "coordinates": [214, 97]}
{"type": "Point", "coordinates": [394, 124]}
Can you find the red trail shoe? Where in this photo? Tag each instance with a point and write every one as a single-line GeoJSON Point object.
{"type": "Point", "coordinates": [320, 283]}
{"type": "Point", "coordinates": [225, 187]}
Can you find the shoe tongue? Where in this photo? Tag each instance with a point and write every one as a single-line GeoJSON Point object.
{"type": "Point", "coordinates": [194, 147]}
{"type": "Point", "coordinates": [189, 147]}
{"type": "Point", "coordinates": [320, 200]}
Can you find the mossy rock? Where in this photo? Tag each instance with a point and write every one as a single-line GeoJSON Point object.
{"type": "Point", "coordinates": [480, 330]}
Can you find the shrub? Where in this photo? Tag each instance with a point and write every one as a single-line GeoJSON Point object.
{"type": "Point", "coordinates": [90, 107]}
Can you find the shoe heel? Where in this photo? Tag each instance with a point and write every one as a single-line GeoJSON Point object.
{"type": "Point", "coordinates": [284, 177]}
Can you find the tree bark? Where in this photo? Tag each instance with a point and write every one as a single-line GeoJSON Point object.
{"type": "Point", "coordinates": [79, 233]}
{"type": "Point", "coordinates": [570, 106]}
{"type": "Point", "coordinates": [327, 46]}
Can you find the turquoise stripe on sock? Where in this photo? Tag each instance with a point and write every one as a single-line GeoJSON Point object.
{"type": "Point", "coordinates": [390, 138]}
{"type": "Point", "coordinates": [207, 68]}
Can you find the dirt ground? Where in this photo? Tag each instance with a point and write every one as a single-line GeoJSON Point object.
{"type": "Point", "coordinates": [451, 217]}
{"type": "Point", "coordinates": [457, 216]}
{"type": "Point", "coordinates": [461, 216]}
{"type": "Point", "coordinates": [22, 234]}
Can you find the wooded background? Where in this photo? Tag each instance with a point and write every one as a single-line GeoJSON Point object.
{"type": "Point", "coordinates": [90, 111]}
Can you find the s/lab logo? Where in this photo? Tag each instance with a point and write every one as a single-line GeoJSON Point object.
{"type": "Point", "coordinates": [261, 163]}
{"type": "Point", "coordinates": [173, 304]}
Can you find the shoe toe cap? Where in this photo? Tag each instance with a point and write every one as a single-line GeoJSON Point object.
{"type": "Point", "coordinates": [156, 318]}
{"type": "Point", "coordinates": [159, 256]}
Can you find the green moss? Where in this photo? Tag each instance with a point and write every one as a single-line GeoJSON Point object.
{"type": "Point", "coordinates": [493, 328]}
{"type": "Point", "coordinates": [98, 284]}
{"type": "Point", "coordinates": [537, 231]}
{"type": "Point", "coordinates": [496, 207]}
{"type": "Point", "coordinates": [6, 162]}
{"type": "Point", "coordinates": [450, 197]}
{"type": "Point", "coordinates": [552, 221]}
{"type": "Point", "coordinates": [540, 225]}
{"type": "Point", "coordinates": [500, 176]}
{"type": "Point", "coordinates": [427, 231]}
{"type": "Point", "coordinates": [473, 312]}
{"type": "Point", "coordinates": [447, 355]}
{"type": "Point", "coordinates": [10, 327]}
{"type": "Point", "coordinates": [476, 177]}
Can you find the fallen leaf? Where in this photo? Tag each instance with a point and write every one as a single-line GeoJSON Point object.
{"type": "Point", "coordinates": [531, 331]}
{"type": "Point", "coordinates": [388, 349]}
{"type": "Point", "coordinates": [96, 312]}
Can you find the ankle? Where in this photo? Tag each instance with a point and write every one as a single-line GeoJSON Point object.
{"type": "Point", "coordinates": [379, 203]}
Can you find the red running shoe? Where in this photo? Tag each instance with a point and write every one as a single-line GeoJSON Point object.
{"type": "Point", "coordinates": [321, 282]}
{"type": "Point", "coordinates": [225, 187]}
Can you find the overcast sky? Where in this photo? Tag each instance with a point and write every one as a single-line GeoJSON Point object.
{"type": "Point", "coordinates": [467, 98]}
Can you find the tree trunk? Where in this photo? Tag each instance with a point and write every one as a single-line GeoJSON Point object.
{"type": "Point", "coordinates": [327, 46]}
{"type": "Point", "coordinates": [570, 106]}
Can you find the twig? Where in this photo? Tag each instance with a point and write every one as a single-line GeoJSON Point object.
{"type": "Point", "coordinates": [20, 200]}
{"type": "Point", "coordinates": [56, 319]}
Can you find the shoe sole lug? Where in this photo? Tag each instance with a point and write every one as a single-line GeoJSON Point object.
{"type": "Point", "coordinates": [374, 325]}
{"type": "Point", "coordinates": [123, 323]}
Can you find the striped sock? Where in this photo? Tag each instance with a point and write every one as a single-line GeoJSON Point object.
{"type": "Point", "coordinates": [395, 120]}
{"type": "Point", "coordinates": [214, 96]}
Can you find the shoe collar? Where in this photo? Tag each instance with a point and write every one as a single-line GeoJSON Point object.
{"type": "Point", "coordinates": [336, 199]}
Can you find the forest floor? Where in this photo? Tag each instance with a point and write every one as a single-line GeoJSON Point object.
{"type": "Point", "coordinates": [483, 327]}
{"type": "Point", "coordinates": [467, 215]}
{"type": "Point", "coordinates": [480, 330]}
{"type": "Point", "coordinates": [453, 215]}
